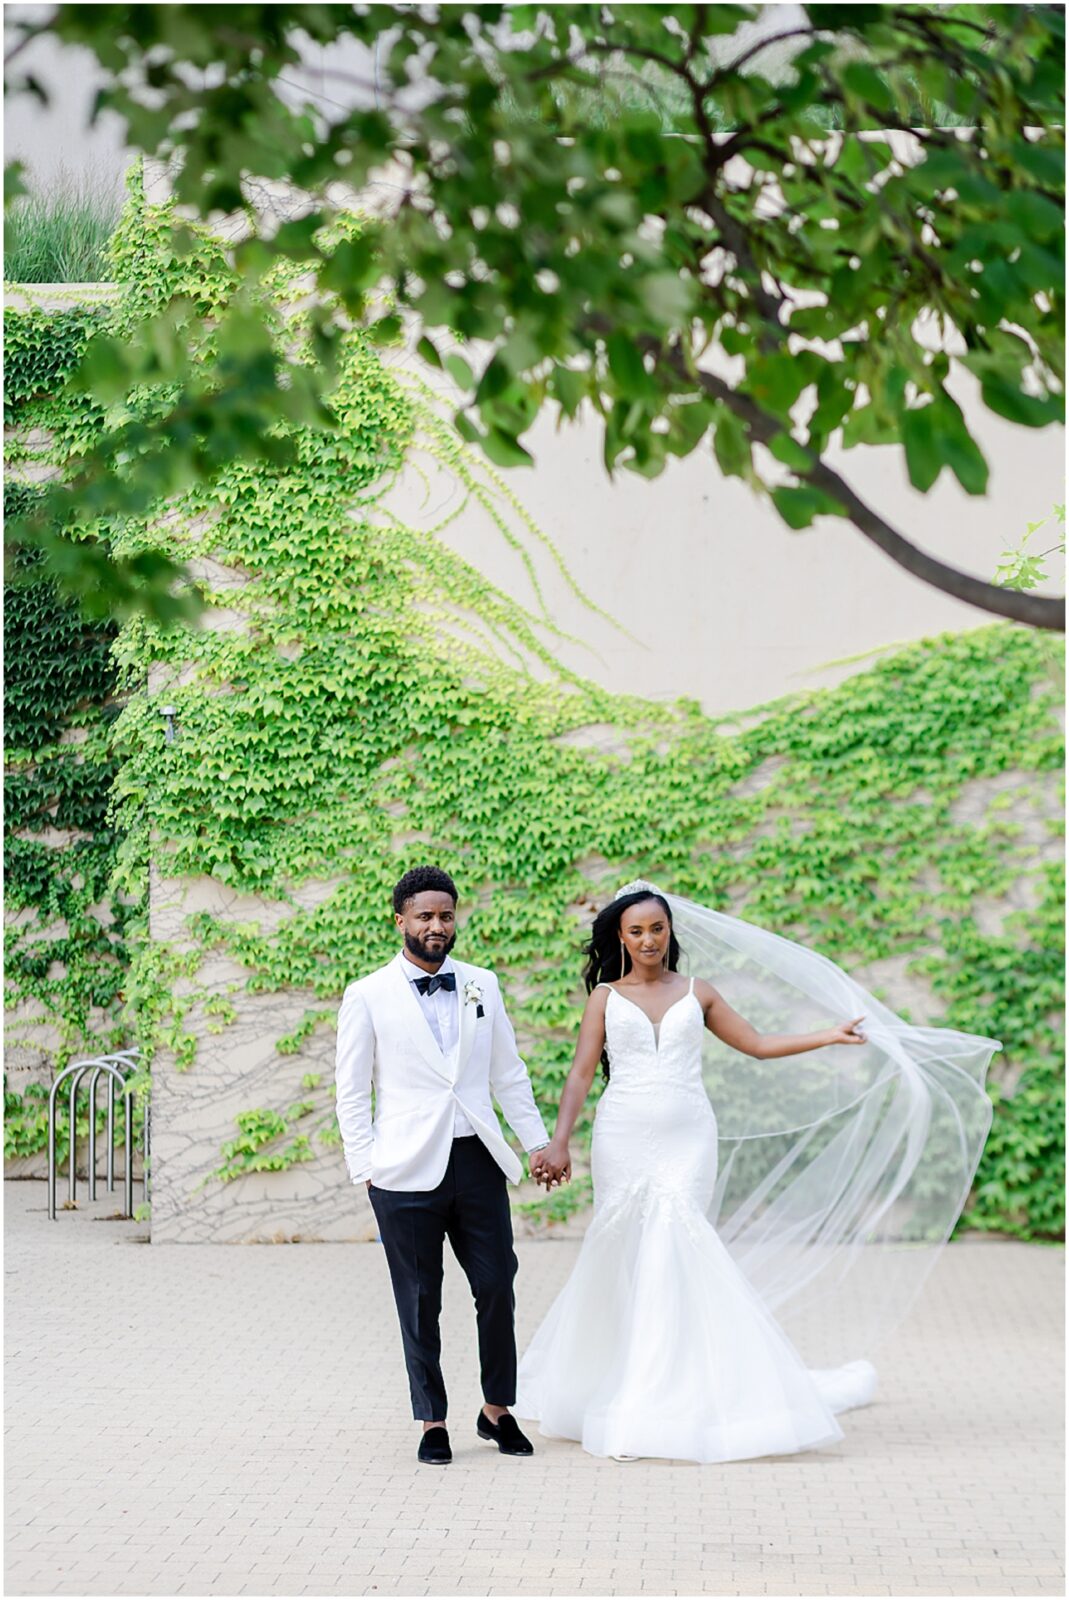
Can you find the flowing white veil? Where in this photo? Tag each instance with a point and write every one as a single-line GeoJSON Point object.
{"type": "Point", "coordinates": [841, 1171]}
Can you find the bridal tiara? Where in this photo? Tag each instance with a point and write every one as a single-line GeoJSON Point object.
{"type": "Point", "coordinates": [633, 888]}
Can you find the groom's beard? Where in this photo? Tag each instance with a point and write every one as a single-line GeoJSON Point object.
{"type": "Point", "coordinates": [434, 952]}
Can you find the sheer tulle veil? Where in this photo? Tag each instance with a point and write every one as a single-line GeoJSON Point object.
{"type": "Point", "coordinates": [841, 1171]}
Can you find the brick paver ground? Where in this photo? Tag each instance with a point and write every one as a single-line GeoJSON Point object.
{"type": "Point", "coordinates": [220, 1420]}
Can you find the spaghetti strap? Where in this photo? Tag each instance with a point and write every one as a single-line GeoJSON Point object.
{"type": "Point", "coordinates": [691, 989]}
{"type": "Point", "coordinates": [603, 985]}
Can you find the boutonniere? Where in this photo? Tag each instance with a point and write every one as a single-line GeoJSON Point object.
{"type": "Point", "coordinates": [473, 996]}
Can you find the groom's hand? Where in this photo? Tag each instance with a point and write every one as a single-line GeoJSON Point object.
{"type": "Point", "coordinates": [554, 1165]}
{"type": "Point", "coordinates": [541, 1172]}
{"type": "Point", "coordinates": [536, 1164]}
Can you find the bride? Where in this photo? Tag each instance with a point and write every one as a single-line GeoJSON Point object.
{"type": "Point", "coordinates": [662, 1341]}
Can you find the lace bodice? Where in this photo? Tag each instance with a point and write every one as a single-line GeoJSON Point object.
{"type": "Point", "coordinates": [642, 1054]}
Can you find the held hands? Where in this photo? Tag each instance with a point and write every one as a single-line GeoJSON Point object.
{"type": "Point", "coordinates": [552, 1166]}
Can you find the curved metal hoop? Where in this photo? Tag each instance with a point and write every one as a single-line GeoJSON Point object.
{"type": "Point", "coordinates": [115, 1064]}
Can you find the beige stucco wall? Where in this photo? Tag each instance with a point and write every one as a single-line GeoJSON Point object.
{"type": "Point", "coordinates": [724, 603]}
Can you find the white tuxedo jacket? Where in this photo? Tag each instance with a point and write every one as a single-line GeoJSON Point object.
{"type": "Point", "coordinates": [385, 1042]}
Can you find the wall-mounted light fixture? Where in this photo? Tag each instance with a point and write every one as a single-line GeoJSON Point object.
{"type": "Point", "coordinates": [168, 713]}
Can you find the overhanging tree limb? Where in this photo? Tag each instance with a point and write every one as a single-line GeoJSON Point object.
{"type": "Point", "coordinates": [1037, 611]}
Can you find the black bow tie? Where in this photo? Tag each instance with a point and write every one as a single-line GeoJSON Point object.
{"type": "Point", "coordinates": [443, 980]}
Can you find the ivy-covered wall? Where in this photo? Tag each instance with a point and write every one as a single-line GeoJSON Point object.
{"type": "Point", "coordinates": [360, 700]}
{"type": "Point", "coordinates": [65, 944]}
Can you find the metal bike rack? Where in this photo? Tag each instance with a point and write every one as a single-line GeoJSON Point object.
{"type": "Point", "coordinates": [115, 1065]}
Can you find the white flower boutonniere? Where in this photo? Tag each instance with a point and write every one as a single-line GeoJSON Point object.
{"type": "Point", "coordinates": [473, 996]}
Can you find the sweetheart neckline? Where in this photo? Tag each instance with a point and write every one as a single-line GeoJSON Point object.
{"type": "Point", "coordinates": [654, 1026]}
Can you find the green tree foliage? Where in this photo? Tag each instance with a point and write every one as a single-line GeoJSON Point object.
{"type": "Point", "coordinates": [43, 350]}
{"type": "Point", "coordinates": [65, 951]}
{"type": "Point", "coordinates": [749, 262]}
{"type": "Point", "coordinates": [1023, 566]}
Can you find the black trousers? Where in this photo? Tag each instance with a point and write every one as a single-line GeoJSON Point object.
{"type": "Point", "coordinates": [469, 1207]}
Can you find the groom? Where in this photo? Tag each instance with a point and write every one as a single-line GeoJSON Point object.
{"type": "Point", "coordinates": [430, 1035]}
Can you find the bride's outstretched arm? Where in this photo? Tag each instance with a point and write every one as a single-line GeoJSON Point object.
{"type": "Point", "coordinates": [588, 1048]}
{"type": "Point", "coordinates": [743, 1036]}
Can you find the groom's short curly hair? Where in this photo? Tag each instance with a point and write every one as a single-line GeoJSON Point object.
{"type": "Point", "coordinates": [419, 879]}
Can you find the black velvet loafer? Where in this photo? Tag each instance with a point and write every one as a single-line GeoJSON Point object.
{"type": "Point", "coordinates": [434, 1448]}
{"type": "Point", "coordinates": [505, 1433]}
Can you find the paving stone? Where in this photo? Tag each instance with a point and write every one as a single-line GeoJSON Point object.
{"type": "Point", "coordinates": [224, 1420]}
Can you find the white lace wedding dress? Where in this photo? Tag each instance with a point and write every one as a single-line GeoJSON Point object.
{"type": "Point", "coordinates": [658, 1345]}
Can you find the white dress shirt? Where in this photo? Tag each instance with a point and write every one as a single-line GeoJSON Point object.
{"type": "Point", "coordinates": [442, 1011]}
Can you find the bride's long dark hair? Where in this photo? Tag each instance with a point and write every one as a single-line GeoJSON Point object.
{"type": "Point", "coordinates": [606, 959]}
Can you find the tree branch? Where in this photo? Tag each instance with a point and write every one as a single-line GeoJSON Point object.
{"type": "Point", "coordinates": [1037, 611]}
{"type": "Point", "coordinates": [732, 232]}
{"type": "Point", "coordinates": [696, 33]}
{"type": "Point", "coordinates": [958, 21]}
{"type": "Point", "coordinates": [642, 53]}
{"type": "Point", "coordinates": [808, 32]}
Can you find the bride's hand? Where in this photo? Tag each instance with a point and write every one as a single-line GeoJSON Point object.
{"type": "Point", "coordinates": [849, 1032]}
{"type": "Point", "coordinates": [556, 1166]}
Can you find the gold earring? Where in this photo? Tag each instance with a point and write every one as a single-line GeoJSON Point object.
{"type": "Point", "coordinates": [623, 958]}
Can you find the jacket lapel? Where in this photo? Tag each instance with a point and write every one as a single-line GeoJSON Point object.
{"type": "Point", "coordinates": [421, 1030]}
{"type": "Point", "coordinates": [467, 1017]}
